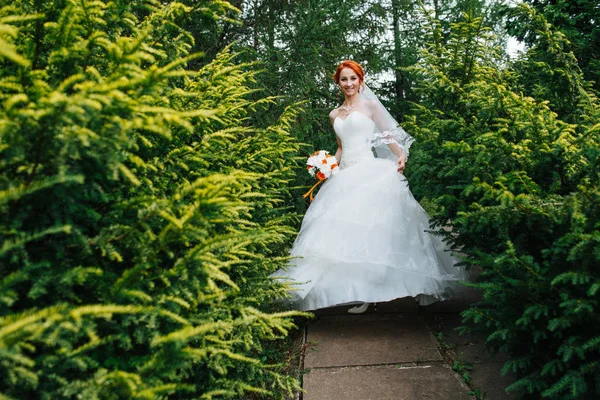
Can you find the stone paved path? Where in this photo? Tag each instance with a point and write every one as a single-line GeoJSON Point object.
{"type": "Point", "coordinates": [391, 353]}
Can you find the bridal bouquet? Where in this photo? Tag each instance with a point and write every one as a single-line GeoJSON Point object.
{"type": "Point", "coordinates": [321, 165]}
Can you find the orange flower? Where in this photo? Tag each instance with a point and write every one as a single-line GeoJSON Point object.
{"type": "Point", "coordinates": [323, 161]}
{"type": "Point", "coordinates": [328, 156]}
{"type": "Point", "coordinates": [333, 166]}
{"type": "Point", "coordinates": [320, 176]}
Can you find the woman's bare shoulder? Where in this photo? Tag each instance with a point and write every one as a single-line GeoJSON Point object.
{"type": "Point", "coordinates": [371, 104]}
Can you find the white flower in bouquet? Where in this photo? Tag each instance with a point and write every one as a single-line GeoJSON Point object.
{"type": "Point", "coordinates": [321, 165]}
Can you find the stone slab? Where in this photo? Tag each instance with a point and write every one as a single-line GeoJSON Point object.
{"type": "Point", "coordinates": [336, 341]}
{"type": "Point", "coordinates": [428, 382]}
{"type": "Point", "coordinates": [468, 347]}
{"type": "Point", "coordinates": [487, 378]}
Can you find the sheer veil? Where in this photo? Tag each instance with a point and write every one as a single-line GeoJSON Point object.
{"type": "Point", "coordinates": [389, 132]}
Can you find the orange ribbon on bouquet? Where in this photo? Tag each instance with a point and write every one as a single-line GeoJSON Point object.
{"type": "Point", "coordinates": [321, 178]}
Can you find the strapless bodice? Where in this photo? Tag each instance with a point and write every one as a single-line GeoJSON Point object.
{"type": "Point", "coordinates": [355, 133]}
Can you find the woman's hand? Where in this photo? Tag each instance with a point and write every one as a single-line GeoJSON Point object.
{"type": "Point", "coordinates": [401, 164]}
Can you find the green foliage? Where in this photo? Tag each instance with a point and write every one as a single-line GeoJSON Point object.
{"type": "Point", "coordinates": [577, 20]}
{"type": "Point", "coordinates": [141, 213]}
{"type": "Point", "coordinates": [521, 189]}
{"type": "Point", "coordinates": [548, 70]}
{"type": "Point", "coordinates": [464, 369]}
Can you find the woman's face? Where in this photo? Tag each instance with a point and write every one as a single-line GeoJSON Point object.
{"type": "Point", "coordinates": [349, 82]}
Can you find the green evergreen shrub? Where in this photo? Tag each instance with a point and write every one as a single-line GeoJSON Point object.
{"type": "Point", "coordinates": [140, 212]}
{"type": "Point", "coordinates": [521, 190]}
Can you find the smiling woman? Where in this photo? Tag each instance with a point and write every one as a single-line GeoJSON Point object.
{"type": "Point", "coordinates": [349, 75]}
{"type": "Point", "coordinates": [379, 249]}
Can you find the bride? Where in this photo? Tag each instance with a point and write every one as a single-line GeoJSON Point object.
{"type": "Point", "coordinates": [363, 238]}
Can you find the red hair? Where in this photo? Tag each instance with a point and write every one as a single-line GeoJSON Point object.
{"type": "Point", "coordinates": [354, 66]}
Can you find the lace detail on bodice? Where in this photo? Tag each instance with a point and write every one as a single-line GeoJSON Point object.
{"type": "Point", "coordinates": [355, 133]}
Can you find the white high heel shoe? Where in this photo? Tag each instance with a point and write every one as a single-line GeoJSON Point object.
{"type": "Point", "coordinates": [359, 309]}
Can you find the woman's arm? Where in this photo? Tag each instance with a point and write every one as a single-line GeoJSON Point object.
{"type": "Point", "coordinates": [397, 150]}
{"type": "Point", "coordinates": [383, 126]}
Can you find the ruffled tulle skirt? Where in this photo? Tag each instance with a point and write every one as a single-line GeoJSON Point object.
{"type": "Point", "coordinates": [364, 239]}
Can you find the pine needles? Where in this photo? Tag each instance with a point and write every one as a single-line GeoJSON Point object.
{"type": "Point", "coordinates": [141, 212]}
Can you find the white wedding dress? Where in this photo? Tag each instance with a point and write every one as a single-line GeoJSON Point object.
{"type": "Point", "coordinates": [363, 238]}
